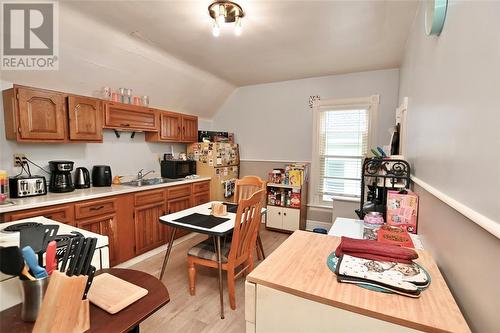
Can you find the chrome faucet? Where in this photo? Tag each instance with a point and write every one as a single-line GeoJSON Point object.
{"type": "Point", "coordinates": [141, 176]}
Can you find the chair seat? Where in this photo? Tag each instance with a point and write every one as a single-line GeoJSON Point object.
{"type": "Point", "coordinates": [206, 250]}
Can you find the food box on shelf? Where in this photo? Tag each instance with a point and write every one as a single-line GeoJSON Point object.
{"type": "Point", "coordinates": [402, 210]}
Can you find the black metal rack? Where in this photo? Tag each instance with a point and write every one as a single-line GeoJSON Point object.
{"type": "Point", "coordinates": [392, 173]}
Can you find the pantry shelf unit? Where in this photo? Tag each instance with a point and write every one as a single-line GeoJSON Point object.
{"type": "Point", "coordinates": [286, 216]}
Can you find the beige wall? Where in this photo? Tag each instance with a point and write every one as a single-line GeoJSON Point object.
{"type": "Point", "coordinates": [467, 255]}
{"type": "Point", "coordinates": [340, 208]}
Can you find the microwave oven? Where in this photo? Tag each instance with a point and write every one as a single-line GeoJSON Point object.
{"type": "Point", "coordinates": [177, 168]}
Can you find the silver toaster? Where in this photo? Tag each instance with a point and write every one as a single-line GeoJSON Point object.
{"type": "Point", "coordinates": [28, 186]}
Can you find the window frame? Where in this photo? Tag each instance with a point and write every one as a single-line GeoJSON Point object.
{"type": "Point", "coordinates": [371, 103]}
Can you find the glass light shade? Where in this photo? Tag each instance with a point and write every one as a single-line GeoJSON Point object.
{"type": "Point", "coordinates": [238, 28]}
{"type": "Point", "coordinates": [216, 29]}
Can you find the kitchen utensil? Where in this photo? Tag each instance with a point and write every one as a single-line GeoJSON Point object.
{"type": "Point", "coordinates": [50, 257]}
{"type": "Point", "coordinates": [90, 273]}
{"type": "Point", "coordinates": [82, 257]}
{"type": "Point", "coordinates": [50, 234]}
{"type": "Point", "coordinates": [12, 262]}
{"type": "Point", "coordinates": [82, 178]}
{"type": "Point", "coordinates": [75, 256]}
{"type": "Point", "coordinates": [64, 260]}
{"type": "Point", "coordinates": [35, 236]}
{"type": "Point", "coordinates": [376, 153]}
{"type": "Point", "coordinates": [101, 175]}
{"type": "Point", "coordinates": [89, 256]}
{"type": "Point", "coordinates": [31, 259]}
{"type": "Point", "coordinates": [113, 294]}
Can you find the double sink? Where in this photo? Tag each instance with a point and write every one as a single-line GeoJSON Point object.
{"type": "Point", "coordinates": [151, 181]}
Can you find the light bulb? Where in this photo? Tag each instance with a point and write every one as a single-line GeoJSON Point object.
{"type": "Point", "coordinates": [221, 18]}
{"type": "Point", "coordinates": [216, 29]}
{"type": "Point", "coordinates": [237, 26]}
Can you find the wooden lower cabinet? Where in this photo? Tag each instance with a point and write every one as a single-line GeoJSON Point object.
{"type": "Point", "coordinates": [176, 205]}
{"type": "Point", "coordinates": [131, 221]}
{"type": "Point", "coordinates": [103, 225]}
{"type": "Point", "coordinates": [149, 233]}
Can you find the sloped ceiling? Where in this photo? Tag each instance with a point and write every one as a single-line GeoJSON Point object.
{"type": "Point", "coordinates": [281, 40]}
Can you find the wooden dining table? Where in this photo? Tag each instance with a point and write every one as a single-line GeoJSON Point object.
{"type": "Point", "coordinates": [126, 320]}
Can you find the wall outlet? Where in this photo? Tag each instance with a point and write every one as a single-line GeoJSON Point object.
{"type": "Point", "coordinates": [18, 160]}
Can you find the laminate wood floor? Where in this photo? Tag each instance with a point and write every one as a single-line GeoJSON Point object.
{"type": "Point", "coordinates": [199, 313]}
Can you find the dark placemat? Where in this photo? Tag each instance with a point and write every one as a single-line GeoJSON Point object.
{"type": "Point", "coordinates": [200, 220]}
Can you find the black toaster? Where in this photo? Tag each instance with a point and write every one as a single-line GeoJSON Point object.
{"type": "Point", "coordinates": [27, 186]}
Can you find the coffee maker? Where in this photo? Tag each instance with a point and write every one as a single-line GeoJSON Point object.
{"type": "Point", "coordinates": [60, 176]}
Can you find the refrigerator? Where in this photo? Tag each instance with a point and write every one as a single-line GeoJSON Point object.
{"type": "Point", "coordinates": [221, 162]}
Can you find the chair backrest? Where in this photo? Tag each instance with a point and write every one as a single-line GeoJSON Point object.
{"type": "Point", "coordinates": [245, 233]}
{"type": "Point", "coordinates": [248, 185]}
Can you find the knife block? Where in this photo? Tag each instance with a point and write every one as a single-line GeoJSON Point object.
{"type": "Point", "coordinates": [63, 309]}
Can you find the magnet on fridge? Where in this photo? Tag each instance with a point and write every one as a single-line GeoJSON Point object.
{"type": "Point", "coordinates": [226, 171]}
{"type": "Point", "coordinates": [210, 162]}
{"type": "Point", "coordinates": [219, 161]}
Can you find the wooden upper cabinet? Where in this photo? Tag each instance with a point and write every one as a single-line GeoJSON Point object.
{"type": "Point", "coordinates": [34, 115]}
{"type": "Point", "coordinates": [85, 119]}
{"type": "Point", "coordinates": [175, 127]}
{"type": "Point", "coordinates": [189, 128]}
{"type": "Point", "coordinates": [170, 126]}
{"type": "Point", "coordinates": [130, 117]}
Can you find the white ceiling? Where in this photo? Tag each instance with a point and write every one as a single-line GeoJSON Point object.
{"type": "Point", "coordinates": [281, 40]}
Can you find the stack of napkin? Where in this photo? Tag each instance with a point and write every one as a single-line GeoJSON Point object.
{"type": "Point", "coordinates": [385, 266]}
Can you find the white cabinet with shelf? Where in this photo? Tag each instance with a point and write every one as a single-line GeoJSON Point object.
{"type": "Point", "coordinates": [287, 219]}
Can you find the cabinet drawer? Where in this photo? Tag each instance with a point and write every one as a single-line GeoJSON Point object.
{"type": "Point", "coordinates": [94, 208]}
{"type": "Point", "coordinates": [149, 197]}
{"type": "Point", "coordinates": [63, 214]}
{"type": "Point", "coordinates": [178, 191]}
{"type": "Point", "coordinates": [201, 187]}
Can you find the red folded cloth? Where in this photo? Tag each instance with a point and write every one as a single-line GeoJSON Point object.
{"type": "Point", "coordinates": [373, 250]}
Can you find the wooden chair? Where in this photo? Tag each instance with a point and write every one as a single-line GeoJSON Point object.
{"type": "Point", "coordinates": [244, 188]}
{"type": "Point", "coordinates": [238, 253]}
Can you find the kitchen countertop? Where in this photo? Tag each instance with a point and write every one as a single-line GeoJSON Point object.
{"type": "Point", "coordinates": [85, 194]}
{"type": "Point", "coordinates": [298, 267]}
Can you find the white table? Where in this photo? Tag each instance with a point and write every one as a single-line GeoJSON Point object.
{"type": "Point", "coordinates": [354, 229]}
{"type": "Point", "coordinates": [217, 232]}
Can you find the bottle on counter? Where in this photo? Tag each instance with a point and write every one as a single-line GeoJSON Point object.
{"type": "Point", "coordinates": [4, 185]}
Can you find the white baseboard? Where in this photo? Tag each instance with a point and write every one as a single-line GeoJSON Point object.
{"type": "Point", "coordinates": [310, 225]}
{"type": "Point", "coordinates": [153, 252]}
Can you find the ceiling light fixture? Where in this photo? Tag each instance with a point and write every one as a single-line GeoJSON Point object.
{"type": "Point", "coordinates": [226, 12]}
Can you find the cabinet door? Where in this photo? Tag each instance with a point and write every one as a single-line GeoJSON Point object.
{"type": "Point", "coordinates": [103, 225]}
{"type": "Point", "coordinates": [149, 232]}
{"type": "Point", "coordinates": [291, 219]}
{"type": "Point", "coordinates": [274, 217]}
{"type": "Point", "coordinates": [201, 198]}
{"type": "Point", "coordinates": [125, 116]}
{"type": "Point", "coordinates": [170, 126]}
{"type": "Point", "coordinates": [41, 115]}
{"type": "Point", "coordinates": [176, 205]}
{"type": "Point", "coordinates": [85, 119]}
{"type": "Point", "coordinates": [189, 128]}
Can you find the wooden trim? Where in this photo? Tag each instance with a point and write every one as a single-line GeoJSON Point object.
{"type": "Point", "coordinates": [481, 220]}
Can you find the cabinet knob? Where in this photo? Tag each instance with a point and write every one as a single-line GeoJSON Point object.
{"type": "Point", "coordinates": [125, 125]}
{"type": "Point", "coordinates": [279, 213]}
{"type": "Point", "coordinates": [284, 214]}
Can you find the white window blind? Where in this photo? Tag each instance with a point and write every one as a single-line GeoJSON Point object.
{"type": "Point", "coordinates": [343, 144]}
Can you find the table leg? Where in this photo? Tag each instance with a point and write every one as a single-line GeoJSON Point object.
{"type": "Point", "coordinates": [167, 255]}
{"type": "Point", "coordinates": [135, 329]}
{"type": "Point", "coordinates": [221, 292]}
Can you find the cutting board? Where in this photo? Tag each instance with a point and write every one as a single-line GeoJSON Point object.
{"type": "Point", "coordinates": [113, 294]}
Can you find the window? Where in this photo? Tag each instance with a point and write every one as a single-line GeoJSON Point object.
{"type": "Point", "coordinates": [341, 140]}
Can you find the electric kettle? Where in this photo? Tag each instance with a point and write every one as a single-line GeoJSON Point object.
{"type": "Point", "coordinates": [82, 178]}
